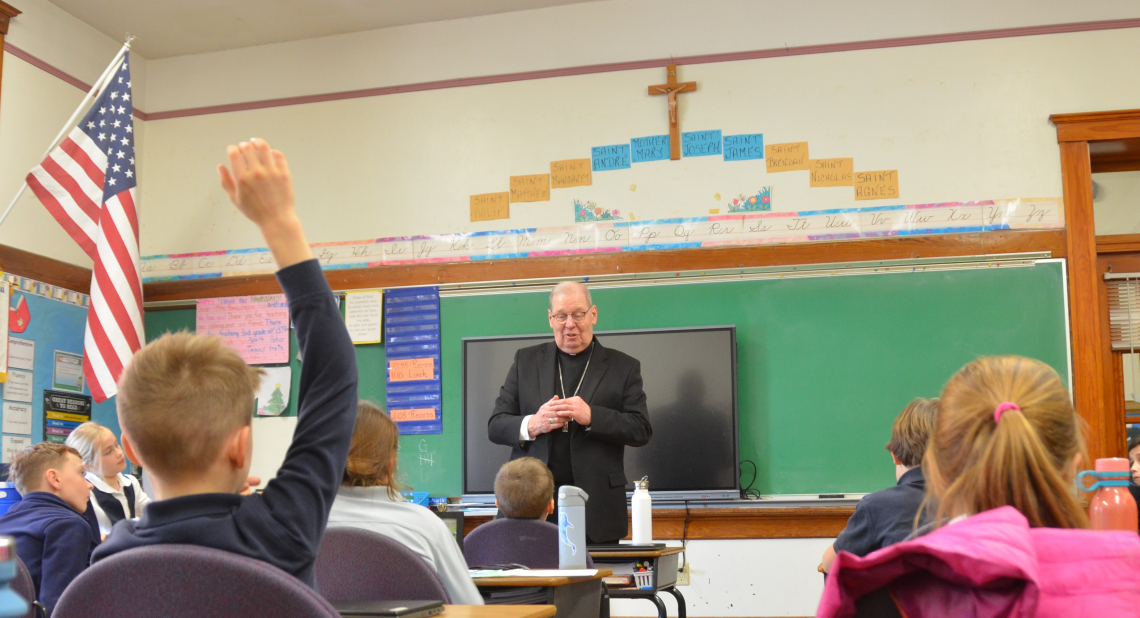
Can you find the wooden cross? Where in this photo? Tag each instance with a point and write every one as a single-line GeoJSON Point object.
{"type": "Point", "coordinates": [672, 89]}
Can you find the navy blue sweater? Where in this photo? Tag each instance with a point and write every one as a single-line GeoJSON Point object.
{"type": "Point", "coordinates": [52, 539]}
{"type": "Point", "coordinates": [282, 525]}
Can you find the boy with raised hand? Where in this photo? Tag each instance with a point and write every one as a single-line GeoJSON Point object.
{"type": "Point", "coordinates": [185, 404]}
{"type": "Point", "coordinates": [52, 536]}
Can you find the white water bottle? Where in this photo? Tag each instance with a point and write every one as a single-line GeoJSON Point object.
{"type": "Point", "coordinates": [642, 505]}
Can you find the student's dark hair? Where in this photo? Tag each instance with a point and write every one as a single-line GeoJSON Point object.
{"type": "Point", "coordinates": [979, 460]}
{"type": "Point", "coordinates": [1133, 443]}
{"type": "Point", "coordinates": [375, 440]}
{"type": "Point", "coordinates": [911, 431]}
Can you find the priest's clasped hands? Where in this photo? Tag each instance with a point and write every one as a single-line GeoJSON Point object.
{"type": "Point", "coordinates": [557, 412]}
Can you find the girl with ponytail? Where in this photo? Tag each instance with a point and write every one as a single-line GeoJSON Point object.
{"type": "Point", "coordinates": [1010, 536]}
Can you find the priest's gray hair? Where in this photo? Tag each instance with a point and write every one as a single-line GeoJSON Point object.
{"type": "Point", "coordinates": [569, 287]}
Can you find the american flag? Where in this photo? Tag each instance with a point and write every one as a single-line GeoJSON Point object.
{"type": "Point", "coordinates": [88, 184]}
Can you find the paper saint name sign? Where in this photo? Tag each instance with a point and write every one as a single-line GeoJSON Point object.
{"type": "Point", "coordinates": [407, 370]}
{"type": "Point", "coordinates": [530, 188]}
{"type": "Point", "coordinates": [743, 147]}
{"type": "Point", "coordinates": [490, 206]}
{"type": "Point", "coordinates": [700, 143]}
{"type": "Point", "coordinates": [877, 185]}
{"type": "Point", "coordinates": [786, 157]}
{"type": "Point", "coordinates": [256, 327]}
{"type": "Point", "coordinates": [832, 172]}
{"type": "Point", "coordinates": [417, 414]}
{"type": "Point", "coordinates": [570, 173]}
{"type": "Point", "coordinates": [652, 148]}
{"type": "Point", "coordinates": [606, 158]}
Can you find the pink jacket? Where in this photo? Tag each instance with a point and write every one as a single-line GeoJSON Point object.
{"type": "Point", "coordinates": [994, 565]}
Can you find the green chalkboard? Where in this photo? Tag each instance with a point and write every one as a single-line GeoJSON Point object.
{"type": "Point", "coordinates": [824, 364]}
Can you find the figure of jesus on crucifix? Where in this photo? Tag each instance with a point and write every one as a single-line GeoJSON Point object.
{"type": "Point", "coordinates": [672, 89]}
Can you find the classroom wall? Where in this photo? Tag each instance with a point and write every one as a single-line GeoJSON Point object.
{"type": "Point", "coordinates": [35, 104]}
{"type": "Point", "coordinates": [960, 121]}
{"type": "Point", "coordinates": [1116, 203]}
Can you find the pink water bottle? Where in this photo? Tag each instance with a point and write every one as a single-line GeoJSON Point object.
{"type": "Point", "coordinates": [1112, 506]}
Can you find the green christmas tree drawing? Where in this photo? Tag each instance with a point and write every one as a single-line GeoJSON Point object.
{"type": "Point", "coordinates": [276, 404]}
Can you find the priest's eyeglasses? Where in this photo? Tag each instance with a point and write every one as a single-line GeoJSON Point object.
{"type": "Point", "coordinates": [577, 316]}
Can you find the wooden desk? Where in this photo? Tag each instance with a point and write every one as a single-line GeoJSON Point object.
{"type": "Point", "coordinates": [661, 562]}
{"type": "Point", "coordinates": [571, 597]}
{"type": "Point", "coordinates": [498, 611]}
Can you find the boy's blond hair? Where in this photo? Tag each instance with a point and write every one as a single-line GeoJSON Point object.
{"type": "Point", "coordinates": [29, 465]}
{"type": "Point", "coordinates": [524, 487]}
{"type": "Point", "coordinates": [911, 431]}
{"type": "Point", "coordinates": [180, 397]}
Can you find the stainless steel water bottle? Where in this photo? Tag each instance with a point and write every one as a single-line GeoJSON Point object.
{"type": "Point", "coordinates": [571, 527]}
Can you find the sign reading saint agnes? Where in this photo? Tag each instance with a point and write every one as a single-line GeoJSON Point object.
{"type": "Point", "coordinates": [671, 89]}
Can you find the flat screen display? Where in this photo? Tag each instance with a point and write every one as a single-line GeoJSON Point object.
{"type": "Point", "coordinates": [690, 385]}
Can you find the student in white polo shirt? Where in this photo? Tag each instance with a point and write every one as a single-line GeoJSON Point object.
{"type": "Point", "coordinates": [115, 496]}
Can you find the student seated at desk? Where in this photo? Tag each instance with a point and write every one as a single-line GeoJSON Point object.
{"type": "Point", "coordinates": [369, 498]}
{"type": "Point", "coordinates": [52, 537]}
{"type": "Point", "coordinates": [1008, 537]}
{"type": "Point", "coordinates": [887, 516]}
{"type": "Point", "coordinates": [114, 496]}
{"type": "Point", "coordinates": [185, 404]}
{"type": "Point", "coordinates": [524, 493]}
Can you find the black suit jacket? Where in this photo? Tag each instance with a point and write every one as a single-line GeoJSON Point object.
{"type": "Point", "coordinates": [618, 418]}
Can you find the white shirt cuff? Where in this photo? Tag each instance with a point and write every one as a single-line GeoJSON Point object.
{"type": "Point", "coordinates": [524, 433]}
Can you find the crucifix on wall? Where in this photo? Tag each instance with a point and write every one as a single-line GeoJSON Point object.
{"type": "Point", "coordinates": [671, 89]}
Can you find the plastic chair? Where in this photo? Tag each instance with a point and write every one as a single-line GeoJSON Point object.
{"type": "Point", "coordinates": [187, 581]}
{"type": "Point", "coordinates": [529, 542]}
{"type": "Point", "coordinates": [360, 565]}
{"type": "Point", "coordinates": [25, 587]}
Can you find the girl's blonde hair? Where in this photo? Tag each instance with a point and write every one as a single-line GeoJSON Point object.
{"type": "Point", "coordinates": [978, 460]}
{"type": "Point", "coordinates": [375, 440]}
{"type": "Point", "coordinates": [85, 439]}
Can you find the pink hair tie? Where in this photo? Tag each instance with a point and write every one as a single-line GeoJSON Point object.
{"type": "Point", "coordinates": [1002, 407]}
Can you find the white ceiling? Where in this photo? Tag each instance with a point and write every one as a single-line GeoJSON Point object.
{"type": "Point", "coordinates": [167, 28]}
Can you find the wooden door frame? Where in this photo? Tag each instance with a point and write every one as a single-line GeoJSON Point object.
{"type": "Point", "coordinates": [1094, 368]}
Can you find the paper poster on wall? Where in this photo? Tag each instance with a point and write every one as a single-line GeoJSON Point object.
{"type": "Point", "coordinates": [17, 418]}
{"type": "Point", "coordinates": [606, 158]}
{"type": "Point", "coordinates": [273, 392]}
{"type": "Point", "coordinates": [530, 188]}
{"type": "Point", "coordinates": [831, 172]}
{"type": "Point", "coordinates": [652, 148]}
{"type": "Point", "coordinates": [67, 372]}
{"type": "Point", "coordinates": [256, 327]}
{"type": "Point", "coordinates": [21, 353]}
{"type": "Point", "coordinates": [700, 143]}
{"type": "Point", "coordinates": [19, 386]}
{"type": "Point", "coordinates": [570, 173]}
{"type": "Point", "coordinates": [410, 369]}
{"type": "Point", "coordinates": [786, 157]}
{"type": "Point", "coordinates": [363, 312]}
{"type": "Point", "coordinates": [490, 206]}
{"type": "Point", "coordinates": [744, 147]}
{"type": "Point", "coordinates": [13, 445]}
{"type": "Point", "coordinates": [6, 300]}
{"type": "Point", "coordinates": [880, 185]}
{"type": "Point", "coordinates": [63, 412]}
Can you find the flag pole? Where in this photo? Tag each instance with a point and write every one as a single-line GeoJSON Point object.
{"type": "Point", "coordinates": [92, 94]}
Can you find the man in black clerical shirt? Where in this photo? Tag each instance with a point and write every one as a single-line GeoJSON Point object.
{"type": "Point", "coordinates": [576, 405]}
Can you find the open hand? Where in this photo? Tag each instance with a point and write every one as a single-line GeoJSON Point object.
{"type": "Point", "coordinates": [250, 483]}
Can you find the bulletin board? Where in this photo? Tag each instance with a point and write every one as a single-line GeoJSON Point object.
{"type": "Point", "coordinates": [55, 321]}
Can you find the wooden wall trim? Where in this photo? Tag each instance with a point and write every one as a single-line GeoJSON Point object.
{"type": "Point", "coordinates": [1085, 325]}
{"type": "Point", "coordinates": [1093, 126]}
{"type": "Point", "coordinates": [7, 12]}
{"type": "Point", "coordinates": [47, 270]}
{"type": "Point", "coordinates": [910, 247]}
{"type": "Point", "coordinates": [759, 522]}
{"type": "Point", "coordinates": [1118, 243]}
